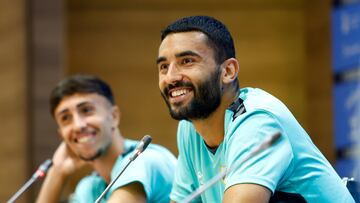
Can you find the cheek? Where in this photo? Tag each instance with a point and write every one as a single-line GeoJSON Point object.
{"type": "Point", "coordinates": [65, 132]}
{"type": "Point", "coordinates": [103, 122]}
{"type": "Point", "coordinates": [161, 82]}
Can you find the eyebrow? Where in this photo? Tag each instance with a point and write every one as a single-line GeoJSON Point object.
{"type": "Point", "coordinates": [83, 104]}
{"type": "Point", "coordinates": [187, 53]}
{"type": "Point", "coordinates": [160, 59]}
{"type": "Point", "coordinates": [77, 106]}
{"type": "Point", "coordinates": [182, 54]}
{"type": "Point", "coordinates": [61, 112]}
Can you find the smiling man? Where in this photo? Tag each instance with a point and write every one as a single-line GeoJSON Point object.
{"type": "Point", "coordinates": [87, 117]}
{"type": "Point", "coordinates": [220, 124]}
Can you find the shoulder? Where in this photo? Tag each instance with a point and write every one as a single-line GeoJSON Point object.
{"type": "Point", "coordinates": [89, 188]}
{"type": "Point", "coordinates": [262, 111]}
{"type": "Point", "coordinates": [156, 154]}
{"type": "Point", "coordinates": [257, 122]}
{"type": "Point", "coordinates": [153, 156]}
{"type": "Point", "coordinates": [254, 129]}
{"type": "Point", "coordinates": [87, 181]}
{"type": "Point", "coordinates": [256, 98]}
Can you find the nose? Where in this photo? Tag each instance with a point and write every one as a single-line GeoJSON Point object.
{"type": "Point", "coordinates": [173, 74]}
{"type": "Point", "coordinates": [78, 122]}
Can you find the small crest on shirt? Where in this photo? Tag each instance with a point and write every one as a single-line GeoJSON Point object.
{"type": "Point", "coordinates": [200, 177]}
{"type": "Point", "coordinates": [237, 107]}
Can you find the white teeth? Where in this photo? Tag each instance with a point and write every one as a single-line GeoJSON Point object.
{"type": "Point", "coordinates": [179, 92]}
{"type": "Point", "coordinates": [84, 139]}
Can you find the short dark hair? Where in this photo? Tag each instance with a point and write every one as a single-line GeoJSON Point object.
{"type": "Point", "coordinates": [80, 83]}
{"type": "Point", "coordinates": [219, 37]}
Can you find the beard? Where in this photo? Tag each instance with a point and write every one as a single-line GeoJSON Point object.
{"type": "Point", "coordinates": [207, 98]}
{"type": "Point", "coordinates": [98, 154]}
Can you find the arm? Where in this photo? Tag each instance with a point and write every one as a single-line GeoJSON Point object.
{"type": "Point", "coordinates": [65, 163]}
{"type": "Point", "coordinates": [131, 193]}
{"type": "Point", "coordinates": [52, 187]}
{"type": "Point", "coordinates": [247, 193]}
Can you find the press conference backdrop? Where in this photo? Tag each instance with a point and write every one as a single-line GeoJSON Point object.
{"type": "Point", "coordinates": [346, 88]}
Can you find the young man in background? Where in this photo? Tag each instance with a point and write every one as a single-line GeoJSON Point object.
{"type": "Point", "coordinates": [88, 119]}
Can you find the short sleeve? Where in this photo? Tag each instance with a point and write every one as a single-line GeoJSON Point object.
{"type": "Point", "coordinates": [268, 167]}
{"type": "Point", "coordinates": [154, 169]}
{"type": "Point", "coordinates": [88, 189]}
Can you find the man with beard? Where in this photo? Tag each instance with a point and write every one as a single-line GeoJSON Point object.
{"type": "Point", "coordinates": [220, 124]}
{"type": "Point", "coordinates": [87, 117]}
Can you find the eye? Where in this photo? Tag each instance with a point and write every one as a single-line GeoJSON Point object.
{"type": "Point", "coordinates": [64, 119]}
{"type": "Point", "coordinates": [163, 67]}
{"type": "Point", "coordinates": [87, 109]}
{"type": "Point", "coordinates": [185, 61]}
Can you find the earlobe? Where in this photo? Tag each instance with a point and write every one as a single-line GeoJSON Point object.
{"type": "Point", "coordinates": [230, 70]}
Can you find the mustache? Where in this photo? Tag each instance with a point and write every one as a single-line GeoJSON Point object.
{"type": "Point", "coordinates": [177, 84]}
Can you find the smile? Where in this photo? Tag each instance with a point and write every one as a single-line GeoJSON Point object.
{"type": "Point", "coordinates": [85, 138]}
{"type": "Point", "coordinates": [179, 95]}
{"type": "Point", "coordinates": [179, 92]}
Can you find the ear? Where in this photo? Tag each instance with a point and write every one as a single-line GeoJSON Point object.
{"type": "Point", "coordinates": [115, 112]}
{"type": "Point", "coordinates": [230, 70]}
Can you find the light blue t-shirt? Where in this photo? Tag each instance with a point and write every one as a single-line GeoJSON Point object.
{"type": "Point", "coordinates": [292, 168]}
{"type": "Point", "coordinates": [154, 169]}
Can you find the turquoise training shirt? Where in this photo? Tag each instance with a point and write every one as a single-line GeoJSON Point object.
{"type": "Point", "coordinates": [154, 169]}
{"type": "Point", "coordinates": [292, 168]}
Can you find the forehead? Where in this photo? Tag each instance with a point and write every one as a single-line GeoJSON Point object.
{"type": "Point", "coordinates": [185, 41]}
{"type": "Point", "coordinates": [72, 101]}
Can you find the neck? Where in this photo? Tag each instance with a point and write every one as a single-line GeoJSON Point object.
{"type": "Point", "coordinates": [104, 164]}
{"type": "Point", "coordinates": [212, 128]}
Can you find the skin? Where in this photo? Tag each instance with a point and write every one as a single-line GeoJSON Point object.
{"type": "Point", "coordinates": [87, 123]}
{"type": "Point", "coordinates": [186, 56]}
